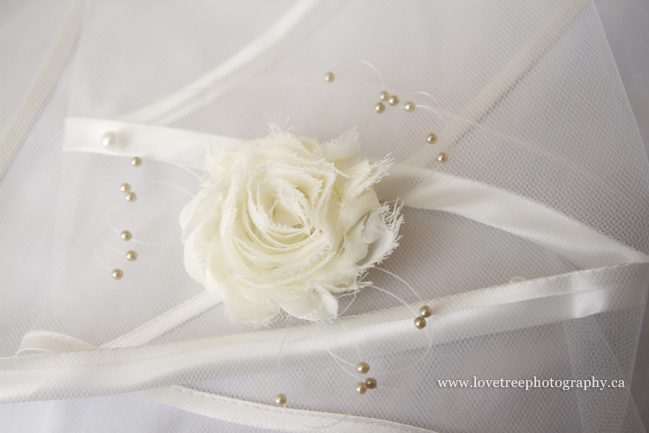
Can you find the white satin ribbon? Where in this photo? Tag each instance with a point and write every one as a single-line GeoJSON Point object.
{"type": "Point", "coordinates": [470, 314]}
{"type": "Point", "coordinates": [171, 145]}
{"type": "Point", "coordinates": [171, 319]}
{"type": "Point", "coordinates": [269, 417]}
{"type": "Point", "coordinates": [512, 213]}
{"type": "Point", "coordinates": [439, 191]}
{"type": "Point", "coordinates": [234, 410]}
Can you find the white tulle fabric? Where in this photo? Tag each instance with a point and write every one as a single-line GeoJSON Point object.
{"type": "Point", "coordinates": [529, 243]}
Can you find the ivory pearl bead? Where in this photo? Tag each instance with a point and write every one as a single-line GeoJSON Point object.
{"type": "Point", "coordinates": [363, 367]}
{"type": "Point", "coordinates": [280, 399]}
{"type": "Point", "coordinates": [109, 139]}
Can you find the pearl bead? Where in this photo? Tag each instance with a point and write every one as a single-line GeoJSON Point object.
{"type": "Point", "coordinates": [109, 139]}
{"type": "Point", "coordinates": [442, 157]}
{"type": "Point", "coordinates": [420, 323]}
{"type": "Point", "coordinates": [363, 367]}
{"type": "Point", "coordinates": [117, 274]}
{"type": "Point", "coordinates": [361, 388]}
{"type": "Point", "coordinates": [409, 106]}
{"type": "Point", "coordinates": [130, 196]}
{"type": "Point", "coordinates": [370, 382]}
{"type": "Point", "coordinates": [125, 187]}
{"type": "Point", "coordinates": [379, 107]}
{"type": "Point", "coordinates": [383, 96]}
{"type": "Point", "coordinates": [136, 161]}
{"type": "Point", "coordinates": [329, 77]}
{"type": "Point", "coordinates": [431, 138]}
{"type": "Point", "coordinates": [126, 235]}
{"type": "Point", "coordinates": [394, 100]}
{"type": "Point", "coordinates": [131, 255]}
{"type": "Point", "coordinates": [426, 311]}
{"type": "Point", "coordinates": [280, 399]}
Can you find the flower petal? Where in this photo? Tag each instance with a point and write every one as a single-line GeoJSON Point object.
{"type": "Point", "coordinates": [250, 308]}
{"type": "Point", "coordinates": [313, 304]}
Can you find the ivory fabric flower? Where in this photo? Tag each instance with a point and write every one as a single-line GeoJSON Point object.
{"type": "Point", "coordinates": [283, 223]}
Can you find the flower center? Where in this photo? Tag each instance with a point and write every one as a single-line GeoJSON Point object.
{"type": "Point", "coordinates": [287, 214]}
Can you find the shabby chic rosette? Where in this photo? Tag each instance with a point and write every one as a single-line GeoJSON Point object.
{"type": "Point", "coordinates": [283, 223]}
